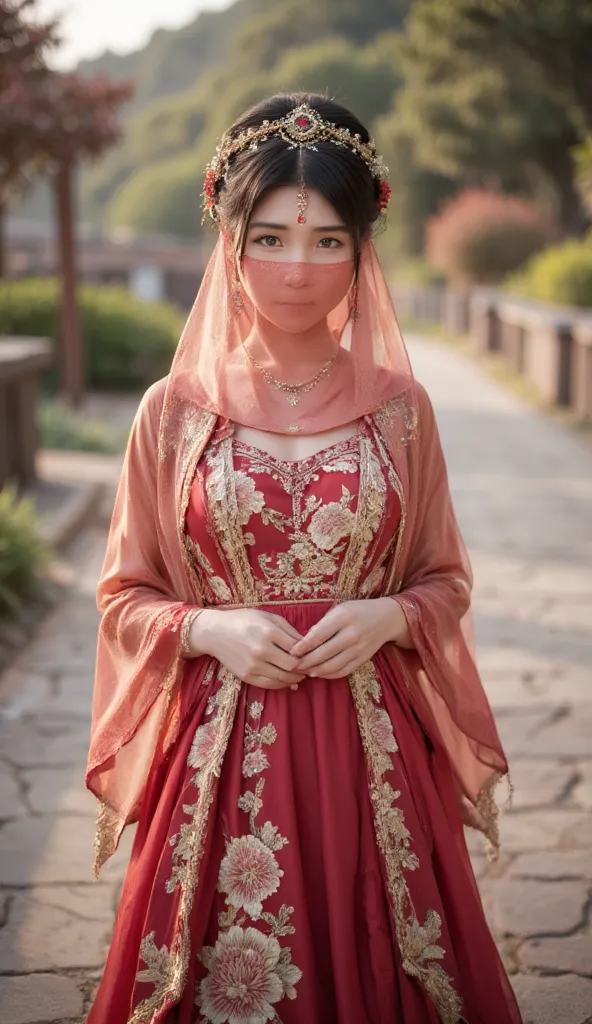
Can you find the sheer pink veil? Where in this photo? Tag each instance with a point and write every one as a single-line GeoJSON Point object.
{"type": "Point", "coordinates": [142, 697]}
{"type": "Point", "coordinates": [211, 369]}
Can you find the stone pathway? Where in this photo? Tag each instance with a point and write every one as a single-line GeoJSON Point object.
{"type": "Point", "coordinates": [523, 493]}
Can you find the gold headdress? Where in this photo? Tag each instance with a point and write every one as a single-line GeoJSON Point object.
{"type": "Point", "coordinates": [301, 127]}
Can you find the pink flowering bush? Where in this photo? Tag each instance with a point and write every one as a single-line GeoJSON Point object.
{"type": "Point", "coordinates": [482, 236]}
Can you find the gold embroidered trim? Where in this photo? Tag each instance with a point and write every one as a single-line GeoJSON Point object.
{"type": "Point", "coordinates": [106, 835]}
{"type": "Point", "coordinates": [417, 942]}
{"type": "Point", "coordinates": [185, 631]}
{"type": "Point", "coordinates": [167, 969]}
{"type": "Point", "coordinates": [395, 482]}
{"type": "Point", "coordinates": [368, 517]}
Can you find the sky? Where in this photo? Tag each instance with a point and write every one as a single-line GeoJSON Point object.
{"type": "Point", "coordinates": [91, 26]}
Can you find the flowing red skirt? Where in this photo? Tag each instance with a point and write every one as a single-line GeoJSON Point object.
{"type": "Point", "coordinates": [316, 792]}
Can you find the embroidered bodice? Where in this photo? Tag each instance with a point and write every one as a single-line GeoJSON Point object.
{"type": "Point", "coordinates": [263, 530]}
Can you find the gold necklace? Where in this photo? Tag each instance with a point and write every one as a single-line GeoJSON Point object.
{"type": "Point", "coordinates": [293, 391]}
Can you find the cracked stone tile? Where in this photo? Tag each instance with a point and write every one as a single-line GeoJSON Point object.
{"type": "Point", "coordinates": [552, 865]}
{"type": "Point", "coordinates": [42, 936]}
{"type": "Point", "coordinates": [24, 997]}
{"type": "Point", "coordinates": [30, 744]}
{"type": "Point", "coordinates": [58, 790]}
{"type": "Point", "coordinates": [36, 851]}
{"type": "Point", "coordinates": [541, 830]}
{"type": "Point", "coordinates": [571, 736]}
{"type": "Point", "coordinates": [517, 729]}
{"type": "Point", "coordinates": [583, 790]}
{"type": "Point", "coordinates": [540, 782]}
{"type": "Point", "coordinates": [572, 954]}
{"type": "Point", "coordinates": [527, 907]}
{"type": "Point", "coordinates": [566, 999]}
{"type": "Point", "coordinates": [11, 805]}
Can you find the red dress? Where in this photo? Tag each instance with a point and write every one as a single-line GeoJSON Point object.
{"type": "Point", "coordinates": [300, 856]}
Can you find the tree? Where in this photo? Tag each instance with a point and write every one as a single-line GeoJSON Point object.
{"type": "Point", "coordinates": [23, 45]}
{"type": "Point", "coordinates": [485, 114]}
{"type": "Point", "coordinates": [50, 121]}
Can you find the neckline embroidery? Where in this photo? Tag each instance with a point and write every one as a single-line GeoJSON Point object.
{"type": "Point", "coordinates": [294, 465]}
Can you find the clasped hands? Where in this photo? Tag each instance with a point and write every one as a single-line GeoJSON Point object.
{"type": "Point", "coordinates": [263, 649]}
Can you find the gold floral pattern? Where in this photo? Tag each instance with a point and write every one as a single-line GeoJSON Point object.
{"type": "Point", "coordinates": [249, 971]}
{"type": "Point", "coordinates": [418, 943]}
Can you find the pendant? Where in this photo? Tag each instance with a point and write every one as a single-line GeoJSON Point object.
{"type": "Point", "coordinates": [292, 399]}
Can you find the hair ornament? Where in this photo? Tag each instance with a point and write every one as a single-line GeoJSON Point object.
{"type": "Point", "coordinates": [302, 127]}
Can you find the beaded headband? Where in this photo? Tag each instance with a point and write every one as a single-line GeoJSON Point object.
{"type": "Point", "coordinates": [302, 127]}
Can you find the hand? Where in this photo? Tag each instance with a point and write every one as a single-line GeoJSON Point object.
{"type": "Point", "coordinates": [254, 645]}
{"type": "Point", "coordinates": [349, 635]}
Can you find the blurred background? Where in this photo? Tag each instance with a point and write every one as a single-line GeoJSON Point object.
{"type": "Point", "coordinates": [109, 114]}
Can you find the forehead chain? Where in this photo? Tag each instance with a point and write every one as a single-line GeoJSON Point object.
{"type": "Point", "coordinates": [302, 127]}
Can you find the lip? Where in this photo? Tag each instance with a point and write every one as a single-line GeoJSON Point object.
{"type": "Point", "coordinates": [296, 303]}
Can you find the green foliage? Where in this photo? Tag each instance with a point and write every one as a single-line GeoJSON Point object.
{"type": "Point", "coordinates": [128, 344]}
{"type": "Point", "coordinates": [480, 236]}
{"type": "Point", "coordinates": [343, 47]}
{"type": "Point", "coordinates": [417, 194]}
{"type": "Point", "coordinates": [163, 198]}
{"type": "Point", "coordinates": [582, 155]}
{"type": "Point", "coordinates": [63, 427]}
{"type": "Point", "coordinates": [23, 552]}
{"type": "Point", "coordinates": [481, 107]}
{"type": "Point", "coordinates": [561, 275]}
{"type": "Point", "coordinates": [418, 273]}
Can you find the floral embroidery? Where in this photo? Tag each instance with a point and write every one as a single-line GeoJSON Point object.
{"type": "Point", "coordinates": [248, 500]}
{"type": "Point", "coordinates": [249, 873]}
{"type": "Point", "coordinates": [167, 969]}
{"type": "Point", "coordinates": [246, 976]}
{"type": "Point", "coordinates": [332, 522]}
{"type": "Point", "coordinates": [249, 971]}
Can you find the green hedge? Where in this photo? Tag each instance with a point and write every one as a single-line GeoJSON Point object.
{"type": "Point", "coordinates": [62, 427]}
{"type": "Point", "coordinates": [128, 344]}
{"type": "Point", "coordinates": [561, 275]}
{"type": "Point", "coordinates": [23, 552]}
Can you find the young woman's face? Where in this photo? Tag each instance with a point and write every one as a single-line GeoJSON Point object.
{"type": "Point", "coordinates": [296, 273]}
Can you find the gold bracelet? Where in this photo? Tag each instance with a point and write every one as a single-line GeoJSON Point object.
{"type": "Point", "coordinates": [185, 631]}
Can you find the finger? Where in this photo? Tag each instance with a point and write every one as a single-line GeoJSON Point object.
{"type": "Point", "coordinates": [272, 671]}
{"type": "Point", "coordinates": [287, 627]}
{"type": "Point", "coordinates": [334, 667]}
{"type": "Point", "coordinates": [284, 641]}
{"type": "Point", "coordinates": [322, 631]}
{"type": "Point", "coordinates": [339, 644]}
{"type": "Point", "coordinates": [267, 683]}
{"type": "Point", "coordinates": [280, 658]}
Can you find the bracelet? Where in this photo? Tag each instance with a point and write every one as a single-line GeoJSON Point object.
{"type": "Point", "coordinates": [185, 631]}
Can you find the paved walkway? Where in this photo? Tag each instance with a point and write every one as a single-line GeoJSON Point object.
{"type": "Point", "coordinates": [523, 491]}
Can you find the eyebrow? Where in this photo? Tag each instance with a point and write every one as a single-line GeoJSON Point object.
{"type": "Point", "coordinates": [285, 227]}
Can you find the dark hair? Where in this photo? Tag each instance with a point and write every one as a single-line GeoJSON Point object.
{"type": "Point", "coordinates": [339, 174]}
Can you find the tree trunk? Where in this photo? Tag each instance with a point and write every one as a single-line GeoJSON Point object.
{"type": "Point", "coordinates": [2, 243]}
{"type": "Point", "coordinates": [71, 355]}
{"type": "Point", "coordinates": [558, 164]}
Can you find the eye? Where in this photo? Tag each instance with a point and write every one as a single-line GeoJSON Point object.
{"type": "Point", "coordinates": [330, 243]}
{"type": "Point", "coordinates": [267, 241]}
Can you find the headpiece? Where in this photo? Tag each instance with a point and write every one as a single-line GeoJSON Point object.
{"type": "Point", "coordinates": [302, 127]}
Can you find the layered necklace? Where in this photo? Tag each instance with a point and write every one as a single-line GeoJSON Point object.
{"type": "Point", "coordinates": [293, 391]}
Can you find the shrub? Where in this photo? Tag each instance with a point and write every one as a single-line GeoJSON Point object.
{"type": "Point", "coordinates": [61, 426]}
{"type": "Point", "coordinates": [128, 344]}
{"type": "Point", "coordinates": [419, 273]}
{"type": "Point", "coordinates": [561, 275]}
{"type": "Point", "coordinates": [481, 236]}
{"type": "Point", "coordinates": [23, 552]}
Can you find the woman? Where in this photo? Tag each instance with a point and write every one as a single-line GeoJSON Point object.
{"type": "Point", "coordinates": [285, 699]}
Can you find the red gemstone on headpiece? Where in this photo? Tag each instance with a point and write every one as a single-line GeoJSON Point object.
{"type": "Point", "coordinates": [301, 219]}
{"type": "Point", "coordinates": [303, 121]}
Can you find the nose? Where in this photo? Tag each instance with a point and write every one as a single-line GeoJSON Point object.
{"type": "Point", "coordinates": [297, 275]}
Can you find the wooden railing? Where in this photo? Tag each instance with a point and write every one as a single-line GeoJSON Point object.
{"type": "Point", "coordinates": [549, 345]}
{"type": "Point", "coordinates": [22, 360]}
